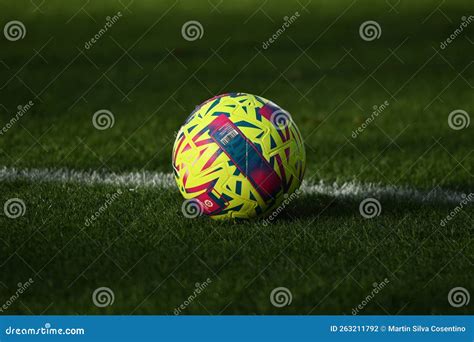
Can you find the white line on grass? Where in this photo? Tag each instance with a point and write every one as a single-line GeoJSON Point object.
{"type": "Point", "coordinates": [63, 175]}
{"type": "Point", "coordinates": [353, 189]}
{"type": "Point", "coordinates": [358, 190]}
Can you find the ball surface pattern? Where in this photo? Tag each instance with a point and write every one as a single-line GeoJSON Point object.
{"type": "Point", "coordinates": [238, 156]}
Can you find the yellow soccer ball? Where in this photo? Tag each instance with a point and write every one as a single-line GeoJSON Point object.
{"type": "Point", "coordinates": [237, 156]}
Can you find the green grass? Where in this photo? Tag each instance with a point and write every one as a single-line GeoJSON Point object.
{"type": "Point", "coordinates": [321, 248]}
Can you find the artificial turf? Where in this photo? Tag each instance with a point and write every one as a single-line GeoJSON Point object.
{"type": "Point", "coordinates": [321, 248]}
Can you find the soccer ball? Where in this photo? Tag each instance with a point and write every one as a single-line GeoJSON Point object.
{"type": "Point", "coordinates": [237, 156]}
